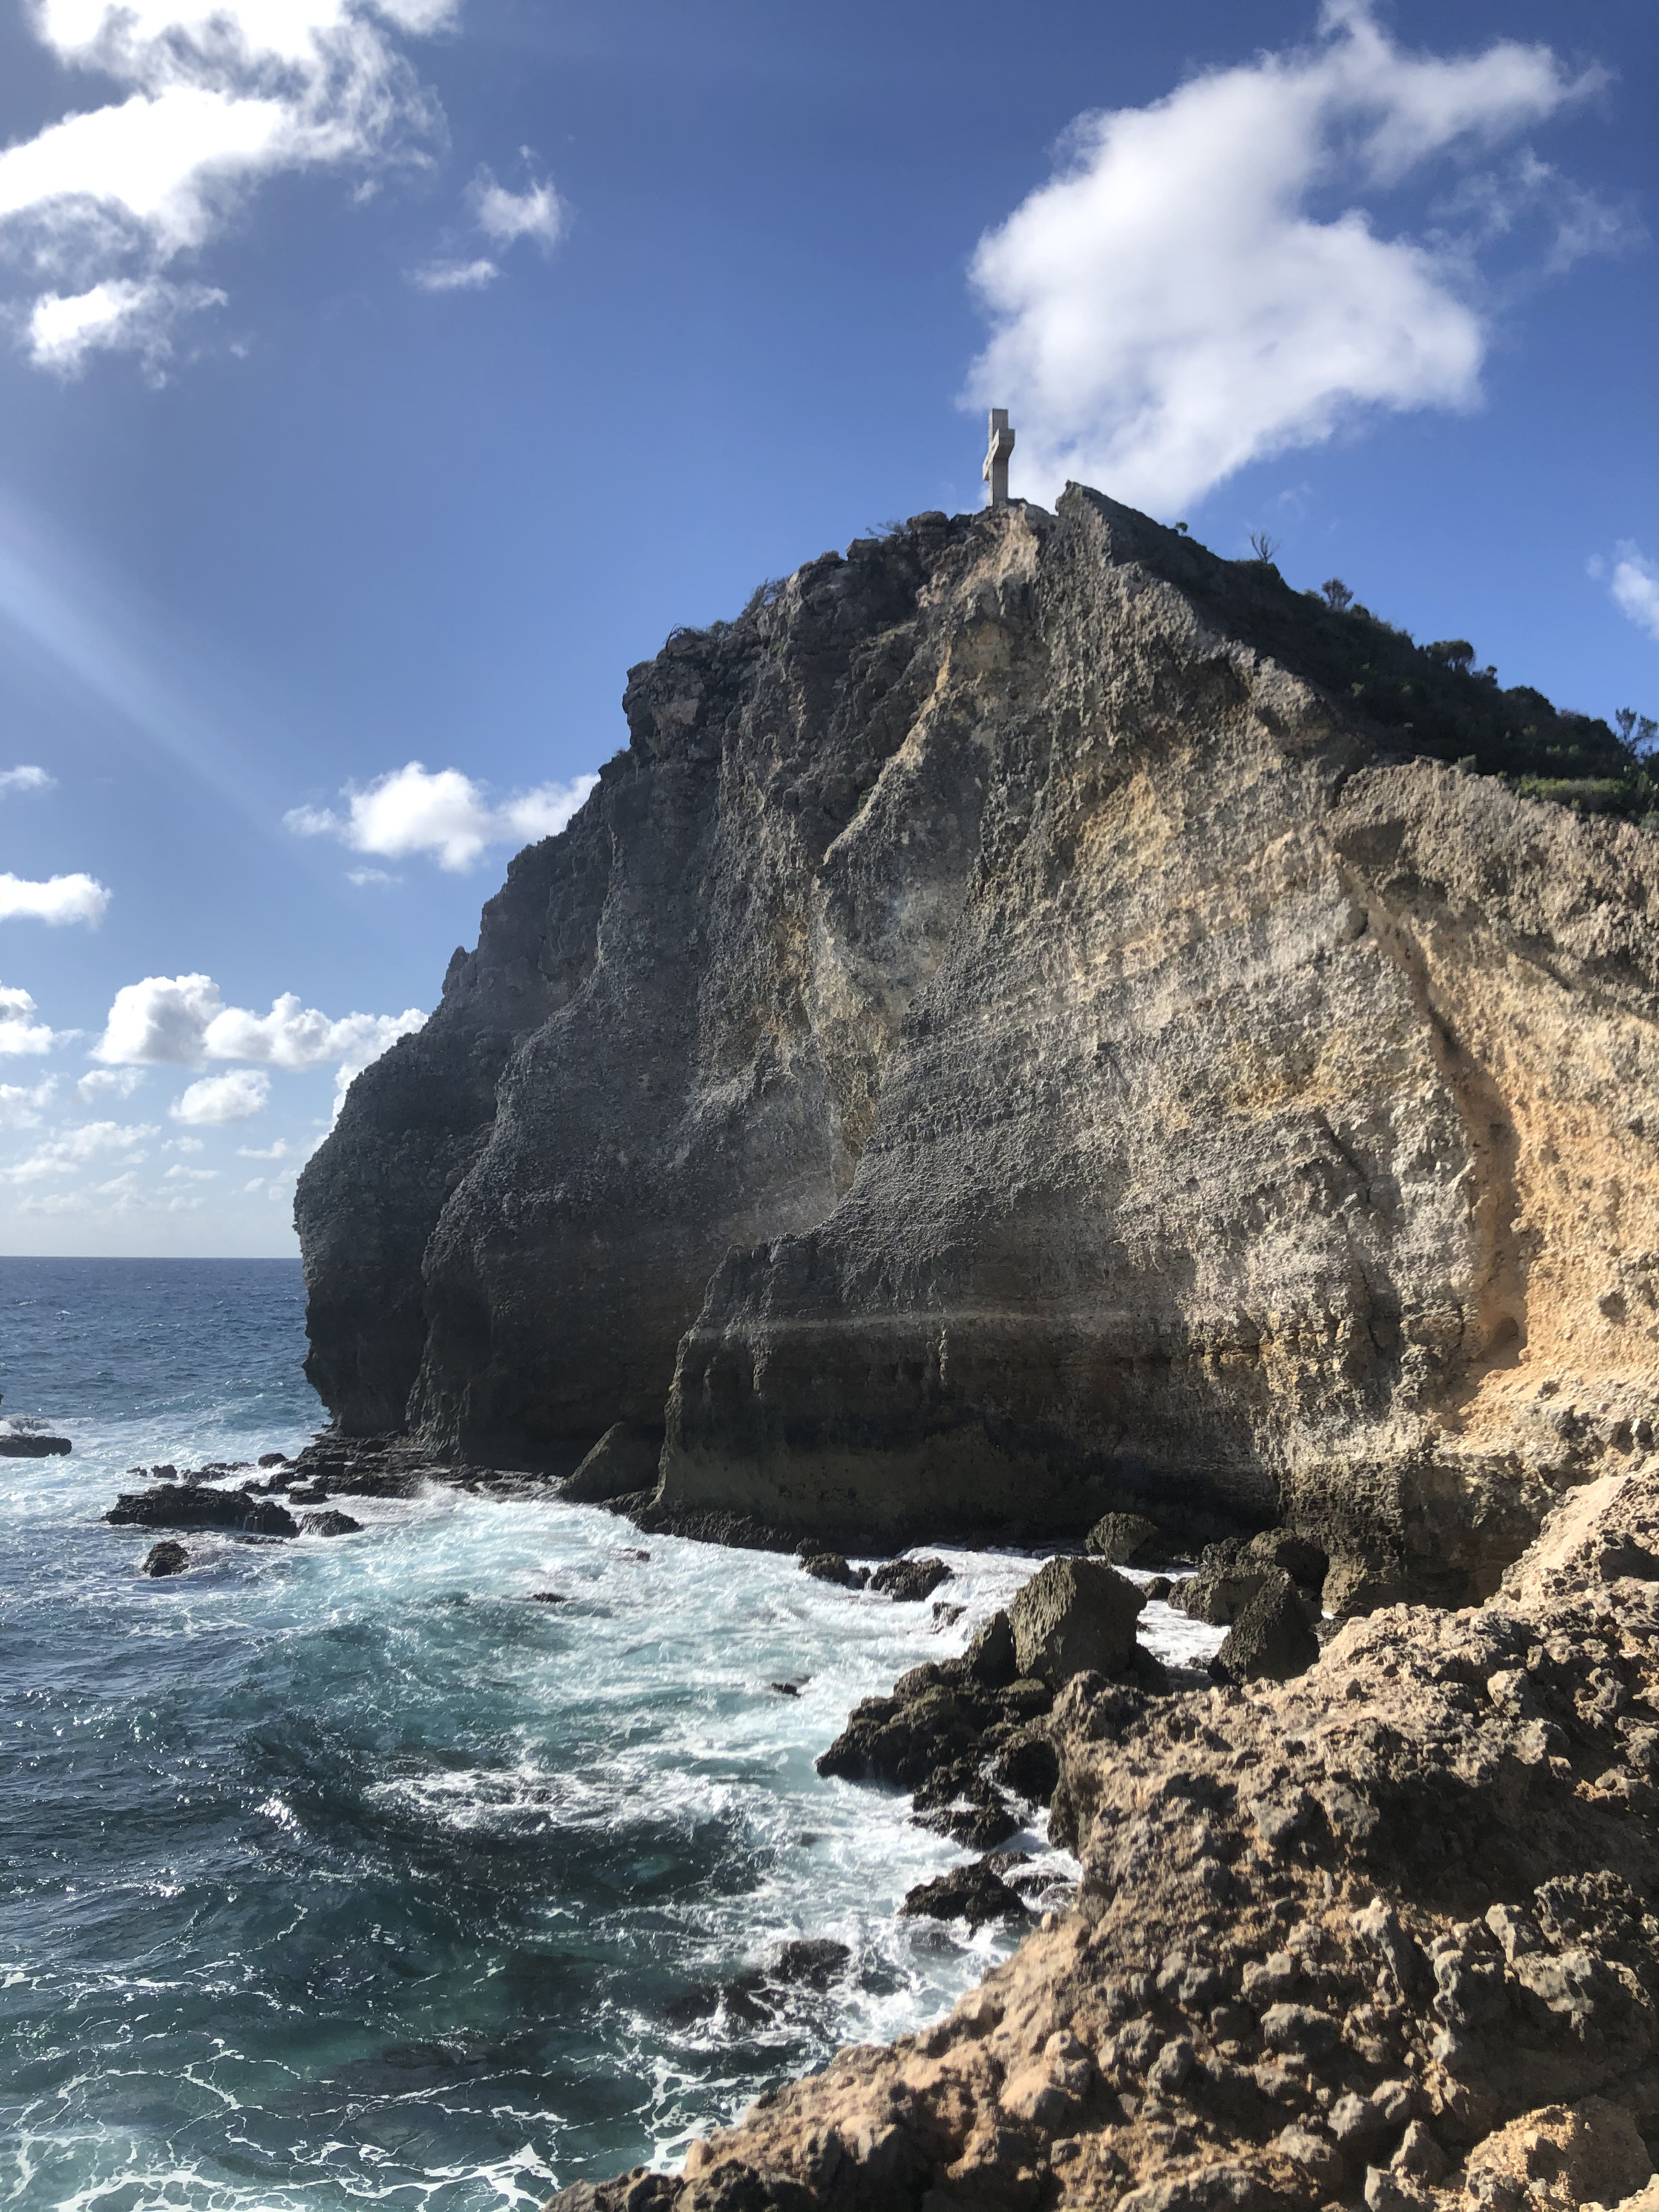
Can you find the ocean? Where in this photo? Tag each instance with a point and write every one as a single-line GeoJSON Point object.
{"type": "Point", "coordinates": [336, 1871]}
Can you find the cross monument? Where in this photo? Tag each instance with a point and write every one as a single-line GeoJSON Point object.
{"type": "Point", "coordinates": [995, 471]}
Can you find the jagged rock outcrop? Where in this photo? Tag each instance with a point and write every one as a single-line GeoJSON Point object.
{"type": "Point", "coordinates": [1009, 1043]}
{"type": "Point", "coordinates": [1382, 1936]}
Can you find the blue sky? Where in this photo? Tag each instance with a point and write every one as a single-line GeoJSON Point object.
{"type": "Point", "coordinates": [375, 386]}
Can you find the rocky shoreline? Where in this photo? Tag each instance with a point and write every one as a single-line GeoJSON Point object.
{"type": "Point", "coordinates": [1381, 1935]}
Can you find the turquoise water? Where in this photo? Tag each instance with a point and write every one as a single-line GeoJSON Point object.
{"type": "Point", "coordinates": [334, 1872]}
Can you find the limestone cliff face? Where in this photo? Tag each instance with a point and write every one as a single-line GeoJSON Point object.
{"type": "Point", "coordinates": [1004, 1041]}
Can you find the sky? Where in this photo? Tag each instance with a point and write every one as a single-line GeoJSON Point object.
{"type": "Point", "coordinates": [378, 384]}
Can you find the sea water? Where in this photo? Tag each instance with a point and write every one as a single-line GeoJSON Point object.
{"type": "Point", "coordinates": [339, 1871]}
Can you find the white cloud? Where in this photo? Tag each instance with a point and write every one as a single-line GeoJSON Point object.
{"type": "Point", "coordinates": [415, 810]}
{"type": "Point", "coordinates": [1172, 304]}
{"type": "Point", "coordinates": [294, 1037]}
{"type": "Point", "coordinates": [19, 1031]}
{"type": "Point", "coordinates": [120, 1082]}
{"type": "Point", "coordinates": [24, 778]}
{"type": "Point", "coordinates": [60, 899]}
{"type": "Point", "coordinates": [184, 1144]}
{"type": "Point", "coordinates": [191, 1174]}
{"type": "Point", "coordinates": [72, 1148]}
{"type": "Point", "coordinates": [279, 1150]}
{"type": "Point", "coordinates": [163, 1019]}
{"type": "Point", "coordinates": [102, 204]}
{"type": "Point", "coordinates": [454, 276]}
{"type": "Point", "coordinates": [1633, 581]}
{"type": "Point", "coordinates": [22, 1103]}
{"type": "Point", "coordinates": [505, 216]}
{"type": "Point", "coordinates": [257, 1183]}
{"type": "Point", "coordinates": [362, 877]}
{"type": "Point", "coordinates": [217, 1099]}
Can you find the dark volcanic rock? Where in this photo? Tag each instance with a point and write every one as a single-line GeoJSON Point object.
{"type": "Point", "coordinates": [1011, 1033]}
{"type": "Point", "coordinates": [909, 1581]}
{"type": "Point", "coordinates": [31, 1443]}
{"type": "Point", "coordinates": [329, 1524]}
{"type": "Point", "coordinates": [974, 1893]}
{"type": "Point", "coordinates": [200, 1505]}
{"type": "Point", "coordinates": [166, 1557]}
{"type": "Point", "coordinates": [831, 1567]}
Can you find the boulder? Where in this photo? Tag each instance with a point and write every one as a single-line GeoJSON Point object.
{"type": "Point", "coordinates": [200, 1505]}
{"type": "Point", "coordinates": [166, 1557]}
{"type": "Point", "coordinates": [909, 1581]}
{"type": "Point", "coordinates": [831, 1567]}
{"type": "Point", "coordinates": [1116, 1537]}
{"type": "Point", "coordinates": [1231, 1572]}
{"type": "Point", "coordinates": [1271, 1638]}
{"type": "Point", "coordinates": [1075, 1616]}
{"type": "Point", "coordinates": [974, 1893]}
{"type": "Point", "coordinates": [989, 1657]}
{"type": "Point", "coordinates": [31, 1444]}
{"type": "Point", "coordinates": [329, 1524]}
{"type": "Point", "coordinates": [623, 1463]}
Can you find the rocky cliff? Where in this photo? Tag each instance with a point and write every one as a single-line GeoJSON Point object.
{"type": "Point", "coordinates": [1016, 1035]}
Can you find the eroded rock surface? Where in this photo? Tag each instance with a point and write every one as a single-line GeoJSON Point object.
{"type": "Point", "coordinates": [1008, 1043]}
{"type": "Point", "coordinates": [1383, 1936]}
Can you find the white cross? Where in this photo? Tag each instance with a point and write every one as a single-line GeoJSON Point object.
{"type": "Point", "coordinates": [995, 471]}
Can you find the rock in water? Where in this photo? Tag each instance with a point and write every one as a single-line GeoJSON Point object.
{"type": "Point", "coordinates": [1270, 1639]}
{"type": "Point", "coordinates": [908, 1581]}
{"type": "Point", "coordinates": [1116, 1537]}
{"type": "Point", "coordinates": [1073, 1617]}
{"type": "Point", "coordinates": [1056, 1034]}
{"type": "Point", "coordinates": [329, 1524]}
{"type": "Point", "coordinates": [974, 1893]}
{"type": "Point", "coordinates": [199, 1505]}
{"type": "Point", "coordinates": [165, 1558]}
{"type": "Point", "coordinates": [31, 1444]}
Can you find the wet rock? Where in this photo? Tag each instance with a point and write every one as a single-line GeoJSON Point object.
{"type": "Point", "coordinates": [201, 1505]}
{"type": "Point", "coordinates": [946, 1616]}
{"type": "Point", "coordinates": [784, 1689]}
{"type": "Point", "coordinates": [166, 1557]}
{"type": "Point", "coordinates": [1075, 1616]}
{"type": "Point", "coordinates": [548, 1597]}
{"type": "Point", "coordinates": [1028, 1763]}
{"type": "Point", "coordinates": [1117, 1537]}
{"type": "Point", "coordinates": [272, 1459]}
{"type": "Point", "coordinates": [19, 1443]}
{"type": "Point", "coordinates": [624, 1461]}
{"type": "Point", "coordinates": [831, 1567]}
{"type": "Point", "coordinates": [309, 1493]}
{"type": "Point", "coordinates": [1159, 1590]}
{"type": "Point", "coordinates": [329, 1524]}
{"type": "Point", "coordinates": [908, 1581]}
{"type": "Point", "coordinates": [1270, 1638]}
{"type": "Point", "coordinates": [974, 1893]}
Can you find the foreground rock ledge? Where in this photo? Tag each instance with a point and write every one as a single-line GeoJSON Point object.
{"type": "Point", "coordinates": [1379, 1936]}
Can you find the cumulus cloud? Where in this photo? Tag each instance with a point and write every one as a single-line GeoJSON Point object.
{"type": "Point", "coordinates": [181, 1020]}
{"type": "Point", "coordinates": [1633, 582]}
{"type": "Point", "coordinates": [164, 1018]}
{"type": "Point", "coordinates": [415, 810]}
{"type": "Point", "coordinates": [19, 1030]}
{"type": "Point", "coordinates": [72, 1148]}
{"type": "Point", "coordinates": [60, 899]}
{"type": "Point", "coordinates": [24, 778]}
{"type": "Point", "coordinates": [1181, 299]}
{"type": "Point", "coordinates": [216, 1100]}
{"type": "Point", "coordinates": [176, 1174]}
{"type": "Point", "coordinates": [279, 1150]}
{"type": "Point", "coordinates": [102, 206]}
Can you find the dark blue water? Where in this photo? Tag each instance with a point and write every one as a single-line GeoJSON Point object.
{"type": "Point", "coordinates": [334, 1871]}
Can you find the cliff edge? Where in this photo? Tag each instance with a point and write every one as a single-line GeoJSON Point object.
{"type": "Point", "coordinates": [1017, 1035]}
